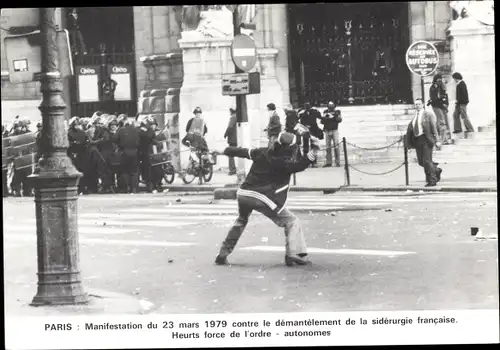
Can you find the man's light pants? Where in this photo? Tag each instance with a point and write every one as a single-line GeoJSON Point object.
{"type": "Point", "coordinates": [332, 141]}
{"type": "Point", "coordinates": [294, 238]}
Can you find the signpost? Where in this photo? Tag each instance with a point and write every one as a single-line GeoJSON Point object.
{"type": "Point", "coordinates": [422, 58]}
{"type": "Point", "coordinates": [244, 56]}
{"type": "Point", "coordinates": [244, 52]}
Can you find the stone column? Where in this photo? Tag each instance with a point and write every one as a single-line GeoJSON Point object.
{"type": "Point", "coordinates": [143, 41]}
{"type": "Point", "coordinates": [205, 59]}
{"type": "Point", "coordinates": [161, 99]}
{"type": "Point", "coordinates": [473, 55]}
{"type": "Point", "coordinates": [416, 19]}
{"type": "Point", "coordinates": [279, 21]}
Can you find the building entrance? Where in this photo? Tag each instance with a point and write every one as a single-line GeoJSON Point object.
{"type": "Point", "coordinates": [103, 38]}
{"type": "Point", "coordinates": [349, 53]}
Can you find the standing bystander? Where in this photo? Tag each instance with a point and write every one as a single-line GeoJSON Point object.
{"type": "Point", "coordinates": [439, 103]}
{"type": "Point", "coordinates": [422, 135]}
{"type": "Point", "coordinates": [231, 136]}
{"type": "Point", "coordinates": [274, 126]}
{"type": "Point", "coordinates": [461, 105]}
{"type": "Point", "coordinates": [330, 120]}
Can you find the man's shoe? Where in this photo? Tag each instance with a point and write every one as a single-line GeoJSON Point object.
{"type": "Point", "coordinates": [291, 260]}
{"type": "Point", "coordinates": [337, 165]}
{"type": "Point", "coordinates": [438, 174]}
{"type": "Point", "coordinates": [430, 184]}
{"type": "Point", "coordinates": [327, 166]}
{"type": "Point", "coordinates": [232, 173]}
{"type": "Point", "coordinates": [221, 260]}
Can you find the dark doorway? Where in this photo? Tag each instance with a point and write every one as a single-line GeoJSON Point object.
{"type": "Point", "coordinates": [349, 53]}
{"type": "Point", "coordinates": [109, 30]}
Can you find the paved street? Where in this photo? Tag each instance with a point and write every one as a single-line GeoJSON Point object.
{"type": "Point", "coordinates": [370, 251]}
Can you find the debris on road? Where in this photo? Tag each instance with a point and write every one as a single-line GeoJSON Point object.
{"type": "Point", "coordinates": [170, 260]}
{"type": "Point", "coordinates": [178, 200]}
{"type": "Point", "coordinates": [388, 209]}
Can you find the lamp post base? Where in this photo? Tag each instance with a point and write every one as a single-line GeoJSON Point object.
{"type": "Point", "coordinates": [59, 278]}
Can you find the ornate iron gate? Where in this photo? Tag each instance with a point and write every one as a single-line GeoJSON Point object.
{"type": "Point", "coordinates": [350, 53]}
{"type": "Point", "coordinates": [108, 34]}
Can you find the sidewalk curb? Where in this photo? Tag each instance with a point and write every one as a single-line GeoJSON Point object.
{"type": "Point", "coordinates": [191, 189]}
{"type": "Point", "coordinates": [416, 188]}
{"type": "Point", "coordinates": [230, 192]}
{"type": "Point", "coordinates": [100, 302]}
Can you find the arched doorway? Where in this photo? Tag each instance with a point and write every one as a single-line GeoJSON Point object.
{"type": "Point", "coordinates": [109, 30]}
{"type": "Point", "coordinates": [350, 53]}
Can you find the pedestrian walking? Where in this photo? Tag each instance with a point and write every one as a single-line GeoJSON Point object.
{"type": "Point", "coordinates": [422, 136]}
{"type": "Point", "coordinates": [231, 136]}
{"type": "Point", "coordinates": [461, 103]}
{"type": "Point", "coordinates": [265, 190]}
{"type": "Point", "coordinates": [438, 100]}
{"type": "Point", "coordinates": [330, 120]}
{"type": "Point", "coordinates": [273, 128]}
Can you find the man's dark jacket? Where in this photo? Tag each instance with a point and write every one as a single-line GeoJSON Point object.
{"type": "Point", "coordinates": [269, 176]}
{"type": "Point", "coordinates": [231, 131]}
{"type": "Point", "coordinates": [462, 93]}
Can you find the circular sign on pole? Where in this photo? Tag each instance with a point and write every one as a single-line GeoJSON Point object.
{"type": "Point", "coordinates": [422, 58]}
{"type": "Point", "coordinates": [244, 52]}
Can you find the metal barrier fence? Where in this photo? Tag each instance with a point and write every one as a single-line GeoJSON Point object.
{"type": "Point", "coordinates": [347, 166]}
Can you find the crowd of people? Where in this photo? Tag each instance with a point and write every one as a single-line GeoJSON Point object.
{"type": "Point", "coordinates": [111, 151]}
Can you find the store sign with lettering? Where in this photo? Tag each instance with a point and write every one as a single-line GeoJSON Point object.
{"type": "Point", "coordinates": [123, 77]}
{"type": "Point", "coordinates": [88, 83]}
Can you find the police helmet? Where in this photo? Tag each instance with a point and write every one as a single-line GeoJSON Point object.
{"type": "Point", "coordinates": [74, 121]}
{"type": "Point", "coordinates": [197, 110]}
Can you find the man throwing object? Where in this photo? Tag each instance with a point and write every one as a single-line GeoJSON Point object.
{"type": "Point", "coordinates": [266, 189]}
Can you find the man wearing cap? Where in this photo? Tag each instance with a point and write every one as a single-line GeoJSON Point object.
{"type": "Point", "coordinates": [274, 126]}
{"type": "Point", "coordinates": [330, 120]}
{"type": "Point", "coordinates": [231, 135]}
{"type": "Point", "coordinates": [265, 190]}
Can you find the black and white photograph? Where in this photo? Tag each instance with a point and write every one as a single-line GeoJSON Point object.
{"type": "Point", "coordinates": [247, 175]}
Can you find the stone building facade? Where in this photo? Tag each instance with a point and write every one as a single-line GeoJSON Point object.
{"type": "Point", "coordinates": [177, 70]}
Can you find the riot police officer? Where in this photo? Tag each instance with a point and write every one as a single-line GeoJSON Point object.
{"type": "Point", "coordinates": [102, 141]}
{"type": "Point", "coordinates": [127, 140]}
{"type": "Point", "coordinates": [77, 150]}
{"type": "Point", "coordinates": [147, 138]}
{"type": "Point", "coordinates": [20, 178]}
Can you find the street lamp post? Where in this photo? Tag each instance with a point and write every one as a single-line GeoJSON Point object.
{"type": "Point", "coordinates": [59, 279]}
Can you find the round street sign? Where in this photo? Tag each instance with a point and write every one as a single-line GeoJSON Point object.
{"type": "Point", "coordinates": [422, 58]}
{"type": "Point", "coordinates": [244, 52]}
